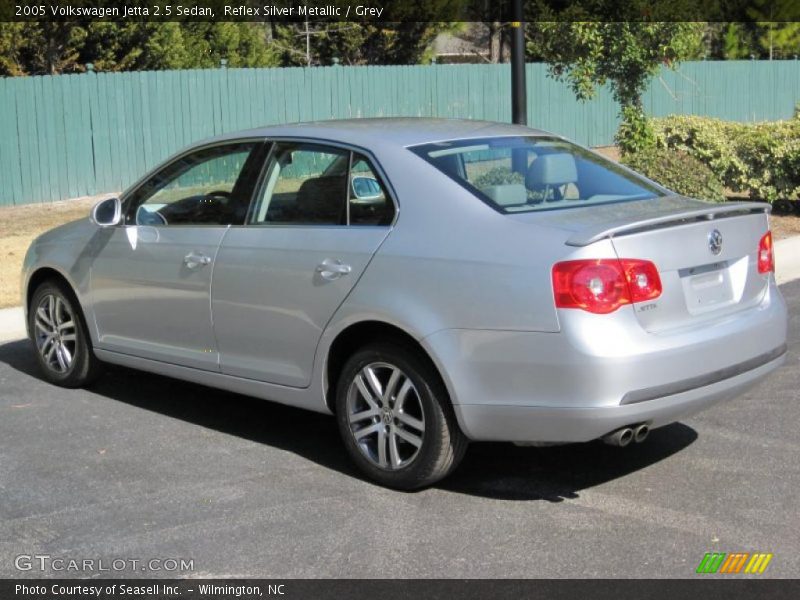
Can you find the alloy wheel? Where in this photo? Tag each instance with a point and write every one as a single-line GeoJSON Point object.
{"type": "Point", "coordinates": [385, 414]}
{"type": "Point", "coordinates": [55, 333]}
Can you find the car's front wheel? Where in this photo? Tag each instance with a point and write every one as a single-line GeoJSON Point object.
{"type": "Point", "coordinates": [59, 335]}
{"type": "Point", "coordinates": [395, 417]}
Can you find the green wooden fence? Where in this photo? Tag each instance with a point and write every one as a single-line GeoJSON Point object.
{"type": "Point", "coordinates": [75, 135]}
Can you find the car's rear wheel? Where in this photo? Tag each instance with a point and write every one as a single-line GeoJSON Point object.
{"type": "Point", "coordinates": [59, 335]}
{"type": "Point", "coordinates": [395, 417]}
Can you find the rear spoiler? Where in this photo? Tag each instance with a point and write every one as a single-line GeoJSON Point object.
{"type": "Point", "coordinates": [626, 227]}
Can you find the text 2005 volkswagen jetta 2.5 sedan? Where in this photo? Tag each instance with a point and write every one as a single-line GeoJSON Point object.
{"type": "Point", "coordinates": [429, 282]}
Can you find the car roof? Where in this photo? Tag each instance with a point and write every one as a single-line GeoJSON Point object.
{"type": "Point", "coordinates": [388, 131]}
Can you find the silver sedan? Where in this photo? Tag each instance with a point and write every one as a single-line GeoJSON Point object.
{"type": "Point", "coordinates": [429, 282]}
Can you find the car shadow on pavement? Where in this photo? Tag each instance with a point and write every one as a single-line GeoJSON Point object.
{"type": "Point", "coordinates": [558, 473]}
{"type": "Point", "coordinates": [492, 470]}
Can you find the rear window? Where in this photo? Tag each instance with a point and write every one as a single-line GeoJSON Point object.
{"type": "Point", "coordinates": [524, 174]}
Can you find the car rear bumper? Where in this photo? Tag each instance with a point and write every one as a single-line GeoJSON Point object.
{"type": "Point", "coordinates": [597, 375]}
{"type": "Point", "coordinates": [547, 424]}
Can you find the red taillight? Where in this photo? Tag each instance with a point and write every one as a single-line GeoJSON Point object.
{"type": "Point", "coordinates": [594, 285]}
{"type": "Point", "coordinates": [643, 279]}
{"type": "Point", "coordinates": [603, 285]}
{"type": "Point", "coordinates": [766, 257]}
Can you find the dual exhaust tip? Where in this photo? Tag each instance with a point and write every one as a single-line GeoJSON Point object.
{"type": "Point", "coordinates": [625, 435]}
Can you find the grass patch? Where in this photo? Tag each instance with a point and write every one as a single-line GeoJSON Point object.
{"type": "Point", "coordinates": [19, 226]}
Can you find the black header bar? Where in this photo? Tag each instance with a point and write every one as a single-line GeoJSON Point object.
{"type": "Point", "coordinates": [708, 587]}
{"type": "Point", "coordinates": [376, 11]}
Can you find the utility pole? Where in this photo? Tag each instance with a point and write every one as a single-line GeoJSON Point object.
{"type": "Point", "coordinates": [519, 105]}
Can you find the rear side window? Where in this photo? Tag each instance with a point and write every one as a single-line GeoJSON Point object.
{"type": "Point", "coordinates": [309, 184]}
{"type": "Point", "coordinates": [369, 203]}
{"type": "Point", "coordinates": [304, 185]}
{"type": "Point", "coordinates": [524, 174]}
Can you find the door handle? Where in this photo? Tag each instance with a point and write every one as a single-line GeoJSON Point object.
{"type": "Point", "coordinates": [331, 269]}
{"type": "Point", "coordinates": [194, 260]}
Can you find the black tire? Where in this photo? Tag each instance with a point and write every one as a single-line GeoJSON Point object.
{"type": "Point", "coordinates": [442, 442]}
{"type": "Point", "coordinates": [84, 367]}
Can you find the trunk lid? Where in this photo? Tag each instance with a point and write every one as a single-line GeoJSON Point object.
{"type": "Point", "coordinates": [697, 283]}
{"type": "Point", "coordinates": [706, 254]}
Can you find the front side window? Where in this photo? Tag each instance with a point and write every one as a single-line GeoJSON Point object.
{"type": "Point", "coordinates": [524, 174]}
{"type": "Point", "coordinates": [309, 184]}
{"type": "Point", "coordinates": [207, 187]}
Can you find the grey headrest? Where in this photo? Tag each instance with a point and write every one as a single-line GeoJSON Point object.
{"type": "Point", "coordinates": [506, 195]}
{"type": "Point", "coordinates": [551, 169]}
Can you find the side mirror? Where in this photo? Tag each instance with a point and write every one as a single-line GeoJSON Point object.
{"type": "Point", "coordinates": [107, 213]}
{"type": "Point", "coordinates": [366, 188]}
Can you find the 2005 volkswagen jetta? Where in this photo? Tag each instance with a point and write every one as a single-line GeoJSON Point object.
{"type": "Point", "coordinates": [427, 281]}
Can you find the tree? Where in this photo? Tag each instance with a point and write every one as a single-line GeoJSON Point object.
{"type": "Point", "coordinates": [736, 43]}
{"type": "Point", "coordinates": [51, 48]}
{"type": "Point", "coordinates": [112, 46]}
{"type": "Point", "coordinates": [624, 55]}
{"type": "Point", "coordinates": [162, 47]}
{"type": "Point", "coordinates": [240, 44]}
{"type": "Point", "coordinates": [492, 13]}
{"type": "Point", "coordinates": [778, 29]}
{"type": "Point", "coordinates": [301, 44]}
{"type": "Point", "coordinates": [11, 36]}
{"type": "Point", "coordinates": [406, 41]}
{"type": "Point", "coordinates": [780, 40]}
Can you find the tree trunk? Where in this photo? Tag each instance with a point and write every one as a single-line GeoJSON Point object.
{"type": "Point", "coordinates": [505, 46]}
{"type": "Point", "coordinates": [495, 33]}
{"type": "Point", "coordinates": [51, 57]}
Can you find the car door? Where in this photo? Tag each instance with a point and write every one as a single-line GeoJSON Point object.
{"type": "Point", "coordinates": [279, 279]}
{"type": "Point", "coordinates": [150, 281]}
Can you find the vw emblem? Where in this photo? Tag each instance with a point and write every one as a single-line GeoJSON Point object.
{"type": "Point", "coordinates": [715, 242]}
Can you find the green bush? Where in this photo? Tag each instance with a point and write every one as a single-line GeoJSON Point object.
{"type": "Point", "coordinates": [635, 133]}
{"type": "Point", "coordinates": [505, 176]}
{"type": "Point", "coordinates": [677, 171]}
{"type": "Point", "coordinates": [498, 176]}
{"type": "Point", "coordinates": [771, 152]}
{"type": "Point", "coordinates": [761, 159]}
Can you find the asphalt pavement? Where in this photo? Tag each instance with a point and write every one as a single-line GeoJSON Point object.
{"type": "Point", "coordinates": [142, 467]}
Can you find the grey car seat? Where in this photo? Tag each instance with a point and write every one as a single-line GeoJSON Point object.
{"type": "Point", "coordinates": [551, 175]}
